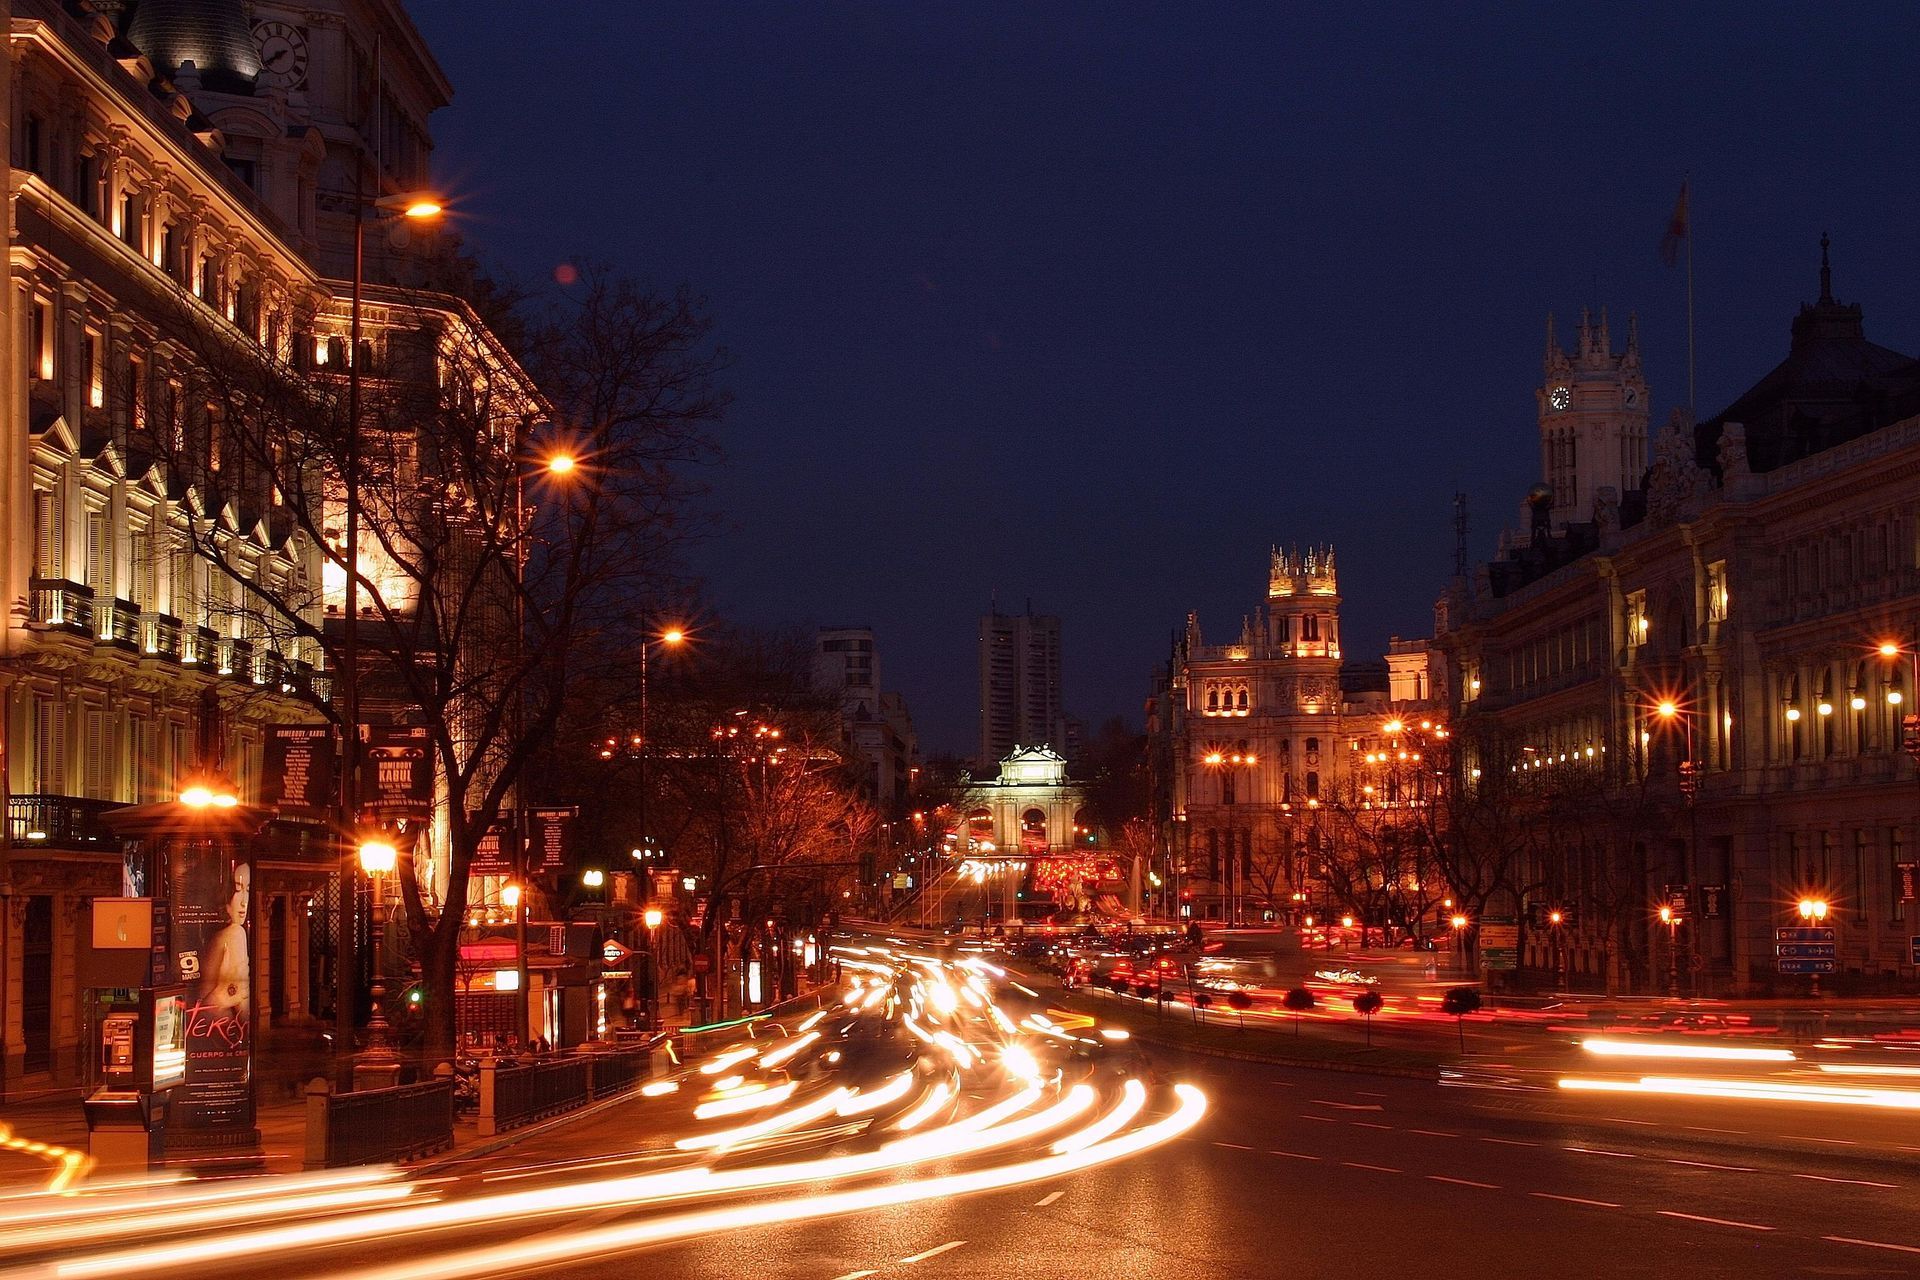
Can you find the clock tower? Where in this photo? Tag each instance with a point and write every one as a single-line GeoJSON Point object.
{"type": "Point", "coordinates": [1593, 418]}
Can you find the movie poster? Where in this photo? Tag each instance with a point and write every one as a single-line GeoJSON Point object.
{"type": "Point", "coordinates": [210, 909]}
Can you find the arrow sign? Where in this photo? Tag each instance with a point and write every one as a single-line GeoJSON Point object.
{"type": "Point", "coordinates": [1805, 966]}
{"type": "Point", "coordinates": [613, 953]}
{"type": "Point", "coordinates": [1826, 934]}
{"type": "Point", "coordinates": [1807, 951]}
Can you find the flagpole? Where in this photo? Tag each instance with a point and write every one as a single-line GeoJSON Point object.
{"type": "Point", "coordinates": [1689, 238]}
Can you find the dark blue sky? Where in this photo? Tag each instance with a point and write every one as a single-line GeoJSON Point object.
{"type": "Point", "coordinates": [1091, 303]}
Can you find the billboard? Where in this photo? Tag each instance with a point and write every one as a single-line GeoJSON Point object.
{"type": "Point", "coordinates": [210, 910]}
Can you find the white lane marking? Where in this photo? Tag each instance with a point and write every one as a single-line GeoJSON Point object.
{"type": "Point", "coordinates": [1595, 1151]}
{"type": "Point", "coordinates": [857, 1275]}
{"type": "Point", "coordinates": [1367, 1093]}
{"type": "Point", "coordinates": [1236, 1146]}
{"type": "Point", "coordinates": [1048, 1199]}
{"type": "Point", "coordinates": [1718, 1222]}
{"type": "Point", "coordinates": [1702, 1164]}
{"type": "Point", "coordinates": [1510, 1142]}
{"type": "Point", "coordinates": [924, 1254]}
{"type": "Point", "coordinates": [1838, 1142]}
{"type": "Point", "coordinates": [1362, 1124]}
{"type": "Point", "coordinates": [1434, 1133]}
{"type": "Point", "coordinates": [1624, 1120]}
{"type": "Point", "coordinates": [1700, 1128]}
{"type": "Point", "coordinates": [1600, 1204]}
{"type": "Point", "coordinates": [1281, 1084]}
{"type": "Point", "coordinates": [1852, 1182]}
{"type": "Point", "coordinates": [1377, 1168]}
{"type": "Point", "coordinates": [1325, 1119]}
{"type": "Point", "coordinates": [1872, 1244]}
{"type": "Point", "coordinates": [1347, 1106]}
{"type": "Point", "coordinates": [1292, 1155]}
{"type": "Point", "coordinates": [1462, 1182]}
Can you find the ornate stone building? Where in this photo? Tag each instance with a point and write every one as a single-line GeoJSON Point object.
{"type": "Point", "coordinates": [1252, 740]}
{"type": "Point", "coordinates": [1744, 585]}
{"type": "Point", "coordinates": [174, 166]}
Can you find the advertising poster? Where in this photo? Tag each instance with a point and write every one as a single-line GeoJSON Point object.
{"type": "Point", "coordinates": [396, 771]}
{"type": "Point", "coordinates": [301, 771]}
{"type": "Point", "coordinates": [210, 904]}
{"type": "Point", "coordinates": [494, 855]}
{"type": "Point", "coordinates": [550, 829]}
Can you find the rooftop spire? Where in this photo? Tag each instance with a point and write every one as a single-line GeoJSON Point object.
{"type": "Point", "coordinates": [1826, 270]}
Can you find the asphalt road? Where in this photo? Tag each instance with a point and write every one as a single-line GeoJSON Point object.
{"type": "Point", "coordinates": [1292, 1173]}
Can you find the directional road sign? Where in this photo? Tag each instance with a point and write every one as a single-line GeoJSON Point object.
{"type": "Point", "coordinates": [1807, 951]}
{"type": "Point", "coordinates": [1805, 966]}
{"type": "Point", "coordinates": [1824, 934]}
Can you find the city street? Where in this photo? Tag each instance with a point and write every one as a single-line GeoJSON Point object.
{"type": "Point", "coordinates": [1496, 1170]}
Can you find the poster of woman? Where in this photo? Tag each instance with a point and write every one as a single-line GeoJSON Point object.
{"type": "Point", "coordinates": [212, 904]}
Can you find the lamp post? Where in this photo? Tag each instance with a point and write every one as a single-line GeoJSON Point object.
{"type": "Point", "coordinates": [513, 896]}
{"type": "Point", "coordinates": [1555, 919]}
{"type": "Point", "coordinates": [1668, 710]}
{"type": "Point", "coordinates": [1671, 919]}
{"type": "Point", "coordinates": [1459, 923]}
{"type": "Point", "coordinates": [653, 917]}
{"type": "Point", "coordinates": [670, 637]}
{"type": "Point", "coordinates": [378, 1064]}
{"type": "Point", "coordinates": [420, 207]}
{"type": "Point", "coordinates": [1812, 912]}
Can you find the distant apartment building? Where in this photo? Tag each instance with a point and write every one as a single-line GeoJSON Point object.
{"type": "Point", "coordinates": [1019, 685]}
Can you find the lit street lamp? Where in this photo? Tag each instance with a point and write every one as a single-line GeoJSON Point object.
{"type": "Point", "coordinates": [1812, 912]}
{"type": "Point", "coordinates": [1671, 919]}
{"type": "Point", "coordinates": [653, 917]}
{"type": "Point", "coordinates": [378, 1064]}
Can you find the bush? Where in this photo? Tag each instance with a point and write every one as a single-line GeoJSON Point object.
{"type": "Point", "coordinates": [1298, 1000]}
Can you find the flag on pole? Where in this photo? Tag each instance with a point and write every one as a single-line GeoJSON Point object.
{"type": "Point", "coordinates": [1676, 230]}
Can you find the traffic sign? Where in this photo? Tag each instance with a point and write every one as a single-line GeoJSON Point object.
{"type": "Point", "coordinates": [1826, 934]}
{"type": "Point", "coordinates": [1807, 950]}
{"type": "Point", "coordinates": [1805, 966]}
{"type": "Point", "coordinates": [1913, 950]}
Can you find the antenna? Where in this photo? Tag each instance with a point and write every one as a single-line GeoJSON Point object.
{"type": "Point", "coordinates": [1459, 534]}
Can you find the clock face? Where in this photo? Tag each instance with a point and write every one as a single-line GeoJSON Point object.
{"type": "Point", "coordinates": [1633, 396]}
{"type": "Point", "coordinates": [283, 54]}
{"type": "Point", "coordinates": [1560, 397]}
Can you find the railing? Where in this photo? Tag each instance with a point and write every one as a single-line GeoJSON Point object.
{"type": "Point", "coordinates": [514, 1095]}
{"type": "Point", "coordinates": [374, 1126]}
{"type": "Point", "coordinates": [160, 637]}
{"type": "Point", "coordinates": [118, 623]}
{"type": "Point", "coordinates": [54, 602]}
{"type": "Point", "coordinates": [59, 822]}
{"type": "Point", "coordinates": [236, 659]}
{"type": "Point", "coordinates": [202, 647]}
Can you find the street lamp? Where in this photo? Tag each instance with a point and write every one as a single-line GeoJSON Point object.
{"type": "Point", "coordinates": [1669, 710]}
{"type": "Point", "coordinates": [1671, 919]}
{"type": "Point", "coordinates": [1813, 911]}
{"type": "Point", "coordinates": [653, 918]}
{"type": "Point", "coordinates": [418, 206]}
{"type": "Point", "coordinates": [378, 1064]}
{"type": "Point", "coordinates": [1556, 918]}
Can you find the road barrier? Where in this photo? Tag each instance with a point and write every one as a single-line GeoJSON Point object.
{"type": "Point", "coordinates": [373, 1126]}
{"type": "Point", "coordinates": [513, 1094]}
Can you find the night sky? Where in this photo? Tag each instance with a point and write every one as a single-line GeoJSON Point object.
{"type": "Point", "coordinates": [1089, 304]}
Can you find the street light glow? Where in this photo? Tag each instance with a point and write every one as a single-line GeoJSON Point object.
{"type": "Point", "coordinates": [378, 857]}
{"type": "Point", "coordinates": [561, 463]}
{"type": "Point", "coordinates": [1667, 709]}
{"type": "Point", "coordinates": [652, 917]}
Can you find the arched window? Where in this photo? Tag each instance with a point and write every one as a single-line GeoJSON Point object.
{"type": "Point", "coordinates": [1213, 699]}
{"type": "Point", "coordinates": [1243, 700]}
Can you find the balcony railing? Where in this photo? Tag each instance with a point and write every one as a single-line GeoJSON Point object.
{"type": "Point", "coordinates": [160, 637]}
{"type": "Point", "coordinates": [57, 603]}
{"type": "Point", "coordinates": [59, 822]}
{"type": "Point", "coordinates": [268, 667]}
{"type": "Point", "coordinates": [201, 647]}
{"type": "Point", "coordinates": [117, 623]}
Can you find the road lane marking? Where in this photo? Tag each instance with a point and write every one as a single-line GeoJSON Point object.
{"type": "Point", "coordinates": [1719, 1222]}
{"type": "Point", "coordinates": [1282, 1084]}
{"type": "Point", "coordinates": [1872, 1244]}
{"type": "Point", "coordinates": [1852, 1182]}
{"type": "Point", "coordinates": [1700, 1128]}
{"type": "Point", "coordinates": [1510, 1142]}
{"type": "Point", "coordinates": [1838, 1142]}
{"type": "Point", "coordinates": [1702, 1164]}
{"type": "Point", "coordinates": [924, 1254]}
{"type": "Point", "coordinates": [1347, 1106]}
{"type": "Point", "coordinates": [1462, 1182]}
{"type": "Point", "coordinates": [1048, 1199]}
{"type": "Point", "coordinates": [1623, 1120]}
{"type": "Point", "coordinates": [1236, 1146]}
{"type": "Point", "coordinates": [1598, 1204]}
{"type": "Point", "coordinates": [1323, 1119]}
{"type": "Point", "coordinates": [1367, 1093]}
{"type": "Point", "coordinates": [1434, 1133]}
{"type": "Point", "coordinates": [1292, 1155]}
{"type": "Point", "coordinates": [1362, 1124]}
{"type": "Point", "coordinates": [1595, 1151]}
{"type": "Point", "coordinates": [1377, 1168]}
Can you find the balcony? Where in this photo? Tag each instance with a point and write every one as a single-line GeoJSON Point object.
{"type": "Point", "coordinates": [268, 668]}
{"type": "Point", "coordinates": [58, 605]}
{"type": "Point", "coordinates": [59, 822]}
{"type": "Point", "coordinates": [117, 623]}
{"type": "Point", "coordinates": [160, 637]}
{"type": "Point", "coordinates": [200, 647]}
{"type": "Point", "coordinates": [236, 659]}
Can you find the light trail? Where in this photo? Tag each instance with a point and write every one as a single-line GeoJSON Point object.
{"type": "Point", "coordinates": [1659, 1049]}
{"type": "Point", "coordinates": [1751, 1091]}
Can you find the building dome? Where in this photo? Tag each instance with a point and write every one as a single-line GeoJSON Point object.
{"type": "Point", "coordinates": [211, 34]}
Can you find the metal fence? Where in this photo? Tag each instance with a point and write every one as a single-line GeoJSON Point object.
{"type": "Point", "coordinates": [617, 1072]}
{"type": "Point", "coordinates": [515, 1094]}
{"type": "Point", "coordinates": [377, 1125]}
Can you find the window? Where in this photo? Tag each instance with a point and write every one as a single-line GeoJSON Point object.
{"type": "Point", "coordinates": [1310, 627]}
{"type": "Point", "coordinates": [1226, 786]}
{"type": "Point", "coordinates": [46, 534]}
{"type": "Point", "coordinates": [40, 346]}
{"type": "Point", "coordinates": [99, 555]}
{"type": "Point", "coordinates": [129, 228]}
{"type": "Point", "coordinates": [94, 348]}
{"type": "Point", "coordinates": [49, 747]}
{"type": "Point", "coordinates": [1313, 785]}
{"type": "Point", "coordinates": [1860, 841]}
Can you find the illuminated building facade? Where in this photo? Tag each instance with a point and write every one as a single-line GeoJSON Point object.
{"type": "Point", "coordinates": [1747, 580]}
{"type": "Point", "coordinates": [172, 166]}
{"type": "Point", "coordinates": [1253, 740]}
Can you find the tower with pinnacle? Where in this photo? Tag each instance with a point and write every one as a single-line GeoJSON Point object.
{"type": "Point", "coordinates": [1593, 417]}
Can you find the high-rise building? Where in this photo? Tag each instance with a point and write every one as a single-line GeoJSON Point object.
{"type": "Point", "coordinates": [1019, 684]}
